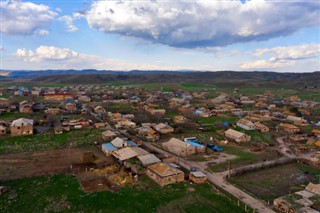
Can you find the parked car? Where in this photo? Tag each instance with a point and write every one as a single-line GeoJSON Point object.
{"type": "Point", "coordinates": [215, 147]}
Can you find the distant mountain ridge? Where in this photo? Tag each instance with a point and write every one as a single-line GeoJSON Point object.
{"type": "Point", "coordinates": [159, 76]}
{"type": "Point", "coordinates": [137, 76]}
{"type": "Point", "coordinates": [32, 73]}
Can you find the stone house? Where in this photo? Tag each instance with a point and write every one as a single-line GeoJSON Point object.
{"type": "Point", "coordinates": [197, 177]}
{"type": "Point", "coordinates": [164, 175]}
{"type": "Point", "coordinates": [237, 136]}
{"type": "Point", "coordinates": [246, 124]}
{"type": "Point", "coordinates": [261, 127]}
{"type": "Point", "coordinates": [70, 107]}
{"type": "Point", "coordinates": [163, 128]}
{"type": "Point", "coordinates": [21, 126]}
{"type": "Point", "coordinates": [108, 135]}
{"type": "Point", "coordinates": [179, 147]}
{"type": "Point", "coordinates": [289, 128]}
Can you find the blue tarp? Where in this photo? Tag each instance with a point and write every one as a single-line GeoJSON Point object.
{"type": "Point", "coordinates": [194, 144]}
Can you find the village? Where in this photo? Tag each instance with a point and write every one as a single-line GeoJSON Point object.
{"type": "Point", "coordinates": [109, 137]}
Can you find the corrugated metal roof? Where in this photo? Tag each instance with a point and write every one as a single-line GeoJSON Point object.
{"type": "Point", "coordinates": [109, 147]}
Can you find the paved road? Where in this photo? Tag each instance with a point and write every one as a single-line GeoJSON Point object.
{"type": "Point", "coordinates": [219, 180]}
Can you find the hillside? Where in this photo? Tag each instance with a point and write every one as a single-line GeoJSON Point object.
{"type": "Point", "coordinates": [253, 78]}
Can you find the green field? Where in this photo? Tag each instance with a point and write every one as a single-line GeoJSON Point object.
{"type": "Point", "coordinates": [63, 194]}
{"type": "Point", "coordinates": [269, 184]}
{"type": "Point", "coordinates": [244, 157]}
{"type": "Point", "coordinates": [48, 140]}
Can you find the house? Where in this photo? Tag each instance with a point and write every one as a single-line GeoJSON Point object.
{"type": "Point", "coordinates": [148, 133]}
{"type": "Point", "coordinates": [163, 128]}
{"type": "Point", "coordinates": [198, 147]}
{"type": "Point", "coordinates": [3, 129]}
{"type": "Point", "coordinates": [58, 97]}
{"type": "Point", "coordinates": [197, 177]}
{"type": "Point", "coordinates": [237, 136]}
{"type": "Point", "coordinates": [128, 153]}
{"type": "Point", "coordinates": [246, 124]}
{"type": "Point", "coordinates": [100, 110]}
{"type": "Point", "coordinates": [163, 174]}
{"type": "Point", "coordinates": [53, 111]}
{"type": "Point", "coordinates": [99, 125]}
{"type": "Point", "coordinates": [125, 123]}
{"type": "Point", "coordinates": [179, 119]}
{"type": "Point", "coordinates": [108, 148]}
{"type": "Point", "coordinates": [84, 99]}
{"type": "Point", "coordinates": [119, 142]}
{"type": "Point", "coordinates": [108, 135]}
{"type": "Point", "coordinates": [149, 159]}
{"type": "Point", "coordinates": [35, 92]}
{"type": "Point", "coordinates": [27, 108]}
{"type": "Point", "coordinates": [179, 147]}
{"type": "Point", "coordinates": [261, 127]}
{"type": "Point", "coordinates": [4, 102]}
{"type": "Point", "coordinates": [70, 107]}
{"type": "Point", "coordinates": [289, 128]}
{"type": "Point", "coordinates": [21, 126]}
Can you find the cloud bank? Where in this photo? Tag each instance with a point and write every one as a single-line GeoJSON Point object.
{"type": "Point", "coordinates": [25, 18]}
{"type": "Point", "coordinates": [193, 24]}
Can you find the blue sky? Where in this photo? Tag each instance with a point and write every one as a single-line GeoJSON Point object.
{"type": "Point", "coordinates": [165, 35]}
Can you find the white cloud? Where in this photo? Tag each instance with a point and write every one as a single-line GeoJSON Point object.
{"type": "Point", "coordinates": [50, 57]}
{"type": "Point", "coordinates": [291, 52]}
{"type": "Point", "coordinates": [42, 32]}
{"type": "Point", "coordinates": [266, 64]}
{"type": "Point", "coordinates": [279, 57]}
{"type": "Point", "coordinates": [46, 53]}
{"type": "Point", "coordinates": [25, 18]}
{"type": "Point", "coordinates": [68, 20]}
{"type": "Point", "coordinates": [201, 23]}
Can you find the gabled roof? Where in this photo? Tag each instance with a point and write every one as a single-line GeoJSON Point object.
{"type": "Point", "coordinates": [118, 142]}
{"type": "Point", "coordinates": [176, 143]}
{"type": "Point", "coordinates": [129, 152]}
{"type": "Point", "coordinates": [109, 133]}
{"type": "Point", "coordinates": [234, 133]}
{"type": "Point", "coordinates": [148, 159]}
{"type": "Point", "coordinates": [22, 122]}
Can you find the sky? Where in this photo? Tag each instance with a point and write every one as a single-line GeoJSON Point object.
{"type": "Point", "coordinates": [204, 35]}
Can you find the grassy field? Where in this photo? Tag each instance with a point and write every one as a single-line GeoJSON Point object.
{"type": "Point", "coordinates": [48, 140]}
{"type": "Point", "coordinates": [63, 194]}
{"type": "Point", "coordinates": [218, 119]}
{"type": "Point", "coordinates": [271, 183]}
{"type": "Point", "coordinates": [244, 157]}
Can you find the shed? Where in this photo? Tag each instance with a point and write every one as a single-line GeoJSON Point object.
{"type": "Point", "coordinates": [197, 177]}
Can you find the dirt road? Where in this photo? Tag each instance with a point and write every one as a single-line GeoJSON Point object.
{"type": "Point", "coordinates": [219, 180]}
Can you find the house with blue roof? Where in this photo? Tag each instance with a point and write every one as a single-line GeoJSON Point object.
{"type": "Point", "coordinates": [198, 147]}
{"type": "Point", "coordinates": [108, 148]}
